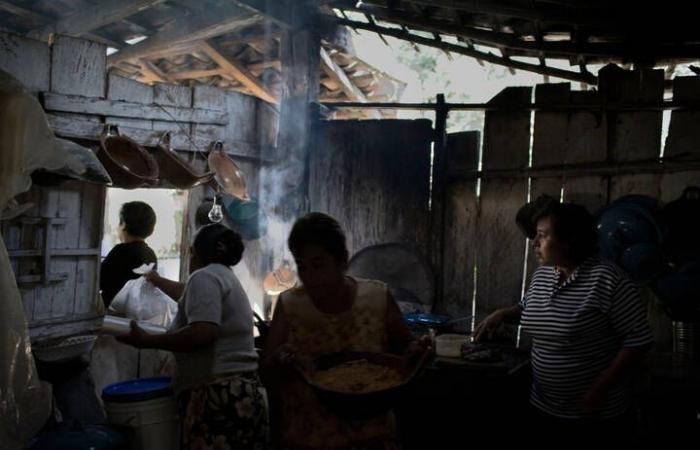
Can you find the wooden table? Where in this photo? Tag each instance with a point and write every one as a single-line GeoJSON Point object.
{"type": "Point", "coordinates": [454, 398]}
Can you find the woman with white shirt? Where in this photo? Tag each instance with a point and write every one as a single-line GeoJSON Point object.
{"type": "Point", "coordinates": [219, 392]}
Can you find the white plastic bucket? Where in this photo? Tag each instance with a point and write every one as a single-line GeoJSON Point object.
{"type": "Point", "coordinates": [148, 406]}
{"type": "Point", "coordinates": [155, 422]}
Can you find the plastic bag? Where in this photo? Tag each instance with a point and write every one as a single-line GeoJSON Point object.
{"type": "Point", "coordinates": [141, 300]}
{"type": "Point", "coordinates": [25, 401]}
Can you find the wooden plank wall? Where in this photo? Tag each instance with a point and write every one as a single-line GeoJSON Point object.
{"type": "Point", "coordinates": [373, 176]}
{"type": "Point", "coordinates": [548, 148]}
{"type": "Point", "coordinates": [76, 67]}
{"type": "Point", "coordinates": [635, 136]}
{"type": "Point", "coordinates": [562, 138]}
{"type": "Point", "coordinates": [27, 60]}
{"type": "Point", "coordinates": [500, 247]}
{"type": "Point", "coordinates": [461, 211]}
{"type": "Point", "coordinates": [587, 142]}
{"type": "Point", "coordinates": [73, 70]}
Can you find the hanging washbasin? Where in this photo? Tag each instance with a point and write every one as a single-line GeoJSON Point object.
{"type": "Point", "coordinates": [128, 164]}
{"type": "Point", "coordinates": [174, 170]}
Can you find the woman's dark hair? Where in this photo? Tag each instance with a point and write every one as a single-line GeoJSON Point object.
{"type": "Point", "coordinates": [318, 229]}
{"type": "Point", "coordinates": [574, 227]}
{"type": "Point", "coordinates": [216, 243]}
{"type": "Point", "coordinates": [138, 218]}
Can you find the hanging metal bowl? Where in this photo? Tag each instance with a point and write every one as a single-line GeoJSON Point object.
{"type": "Point", "coordinates": [226, 173]}
{"type": "Point", "coordinates": [128, 164]}
{"type": "Point", "coordinates": [174, 170]}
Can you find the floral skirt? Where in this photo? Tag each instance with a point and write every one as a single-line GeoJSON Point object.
{"type": "Point", "coordinates": [228, 413]}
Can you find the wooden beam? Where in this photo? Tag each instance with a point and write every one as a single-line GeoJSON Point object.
{"type": "Point", "coordinates": [179, 49]}
{"type": "Point", "coordinates": [185, 29]}
{"type": "Point", "coordinates": [240, 72]}
{"type": "Point", "coordinates": [152, 72]}
{"type": "Point", "coordinates": [276, 10]}
{"type": "Point", "coordinates": [336, 73]}
{"type": "Point", "coordinates": [85, 20]}
{"type": "Point", "coordinates": [489, 57]}
{"type": "Point", "coordinates": [492, 38]}
{"type": "Point", "coordinates": [272, 64]}
{"type": "Point", "coordinates": [586, 169]}
{"type": "Point", "coordinates": [113, 108]}
{"type": "Point", "coordinates": [40, 20]}
{"type": "Point", "coordinates": [502, 10]}
{"type": "Point", "coordinates": [23, 12]}
{"type": "Point", "coordinates": [194, 74]}
{"type": "Point", "coordinates": [81, 127]}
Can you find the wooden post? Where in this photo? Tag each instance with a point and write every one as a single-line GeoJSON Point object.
{"type": "Point", "coordinates": [439, 184]}
{"type": "Point", "coordinates": [284, 184]}
{"type": "Point", "coordinates": [299, 55]}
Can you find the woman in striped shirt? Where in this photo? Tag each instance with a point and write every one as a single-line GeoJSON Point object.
{"type": "Point", "coordinates": [588, 326]}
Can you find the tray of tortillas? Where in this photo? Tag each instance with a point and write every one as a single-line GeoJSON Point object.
{"type": "Point", "coordinates": [361, 384]}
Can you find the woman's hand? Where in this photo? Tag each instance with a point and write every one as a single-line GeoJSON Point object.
{"type": "Point", "coordinates": [153, 277]}
{"type": "Point", "coordinates": [489, 325]}
{"type": "Point", "coordinates": [137, 337]}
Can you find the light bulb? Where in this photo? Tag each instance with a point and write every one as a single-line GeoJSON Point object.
{"type": "Point", "coordinates": [216, 215]}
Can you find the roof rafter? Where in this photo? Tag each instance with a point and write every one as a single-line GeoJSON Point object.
{"type": "Point", "coordinates": [238, 71]}
{"type": "Point", "coordinates": [336, 73]}
{"type": "Point", "coordinates": [463, 50]}
{"type": "Point", "coordinates": [189, 28]}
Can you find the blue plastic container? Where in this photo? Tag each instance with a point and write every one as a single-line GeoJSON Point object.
{"type": "Point", "coordinates": [247, 217]}
{"type": "Point", "coordinates": [138, 390]}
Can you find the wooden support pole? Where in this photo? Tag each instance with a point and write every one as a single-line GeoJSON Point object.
{"type": "Point", "coordinates": [300, 58]}
{"type": "Point", "coordinates": [438, 189]}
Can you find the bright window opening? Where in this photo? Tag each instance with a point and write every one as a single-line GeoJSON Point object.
{"type": "Point", "coordinates": [169, 206]}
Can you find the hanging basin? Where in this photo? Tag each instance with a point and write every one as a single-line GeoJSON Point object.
{"type": "Point", "coordinates": [226, 173]}
{"type": "Point", "coordinates": [174, 170]}
{"type": "Point", "coordinates": [128, 164]}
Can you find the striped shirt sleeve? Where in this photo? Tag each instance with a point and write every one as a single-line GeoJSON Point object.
{"type": "Point", "coordinates": [628, 315]}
